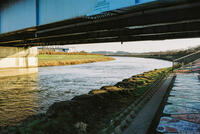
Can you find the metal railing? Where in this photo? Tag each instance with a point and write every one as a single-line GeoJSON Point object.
{"type": "Point", "coordinates": [186, 60]}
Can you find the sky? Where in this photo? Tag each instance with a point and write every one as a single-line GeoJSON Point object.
{"type": "Point", "coordinates": [139, 46]}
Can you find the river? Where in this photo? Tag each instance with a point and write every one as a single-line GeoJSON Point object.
{"type": "Point", "coordinates": [22, 96]}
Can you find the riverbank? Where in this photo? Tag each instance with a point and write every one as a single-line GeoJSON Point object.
{"type": "Point", "coordinates": [59, 60]}
{"type": "Point", "coordinates": [167, 58]}
{"type": "Point", "coordinates": [89, 113]}
{"type": "Point", "coordinates": [169, 55]}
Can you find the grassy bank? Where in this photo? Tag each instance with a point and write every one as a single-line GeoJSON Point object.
{"type": "Point", "coordinates": [89, 113]}
{"type": "Point", "coordinates": [56, 60]}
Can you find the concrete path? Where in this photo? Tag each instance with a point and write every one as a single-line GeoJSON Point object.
{"type": "Point", "coordinates": [181, 113]}
{"type": "Point", "coordinates": [144, 118]}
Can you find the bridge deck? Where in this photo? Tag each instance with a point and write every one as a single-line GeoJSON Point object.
{"type": "Point", "coordinates": [151, 21]}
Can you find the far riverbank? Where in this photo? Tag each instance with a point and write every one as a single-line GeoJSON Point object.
{"type": "Point", "coordinates": [167, 58]}
{"type": "Point", "coordinates": [59, 60]}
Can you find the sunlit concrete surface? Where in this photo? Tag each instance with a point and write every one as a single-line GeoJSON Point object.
{"type": "Point", "coordinates": [18, 57]}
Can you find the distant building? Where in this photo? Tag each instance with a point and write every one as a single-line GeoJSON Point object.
{"type": "Point", "coordinates": [58, 48]}
{"type": "Point", "coordinates": [61, 50]}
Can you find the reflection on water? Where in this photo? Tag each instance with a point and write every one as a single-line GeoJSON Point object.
{"type": "Point", "coordinates": [22, 96]}
{"type": "Point", "coordinates": [15, 72]}
{"type": "Point", "coordinates": [17, 98]}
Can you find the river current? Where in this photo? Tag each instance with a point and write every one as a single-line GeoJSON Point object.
{"type": "Point", "coordinates": [22, 96]}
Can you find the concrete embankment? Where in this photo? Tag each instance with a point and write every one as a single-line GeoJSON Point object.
{"type": "Point", "coordinates": [152, 107]}
{"type": "Point", "coordinates": [89, 113]}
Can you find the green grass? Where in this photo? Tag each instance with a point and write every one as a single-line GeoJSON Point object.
{"type": "Point", "coordinates": [56, 60]}
{"type": "Point", "coordinates": [67, 57]}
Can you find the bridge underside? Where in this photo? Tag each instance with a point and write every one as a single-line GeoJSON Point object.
{"type": "Point", "coordinates": [159, 20]}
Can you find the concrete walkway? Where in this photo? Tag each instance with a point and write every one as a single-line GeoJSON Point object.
{"type": "Point", "coordinates": [144, 118]}
{"type": "Point", "coordinates": [181, 113]}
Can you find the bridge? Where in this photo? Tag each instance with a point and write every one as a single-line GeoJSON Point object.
{"type": "Point", "coordinates": [28, 23]}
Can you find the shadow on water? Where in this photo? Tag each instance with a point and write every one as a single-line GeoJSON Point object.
{"type": "Point", "coordinates": [18, 98]}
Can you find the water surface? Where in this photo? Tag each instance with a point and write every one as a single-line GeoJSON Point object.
{"type": "Point", "coordinates": [22, 96]}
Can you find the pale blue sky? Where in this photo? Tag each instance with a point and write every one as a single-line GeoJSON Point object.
{"type": "Point", "coordinates": [140, 46]}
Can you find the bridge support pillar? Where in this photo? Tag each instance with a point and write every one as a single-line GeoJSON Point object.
{"type": "Point", "coordinates": [18, 60]}
{"type": "Point", "coordinates": [18, 57]}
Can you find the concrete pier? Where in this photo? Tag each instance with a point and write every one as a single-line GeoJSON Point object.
{"type": "Point", "coordinates": [18, 60]}
{"type": "Point", "coordinates": [18, 57]}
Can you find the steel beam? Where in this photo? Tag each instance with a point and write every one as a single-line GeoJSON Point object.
{"type": "Point", "coordinates": [175, 19]}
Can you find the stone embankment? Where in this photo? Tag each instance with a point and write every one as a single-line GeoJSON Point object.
{"type": "Point", "coordinates": [90, 113]}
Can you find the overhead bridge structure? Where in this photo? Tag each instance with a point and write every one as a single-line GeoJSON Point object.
{"type": "Point", "coordinates": [51, 22]}
{"type": "Point", "coordinates": [29, 23]}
